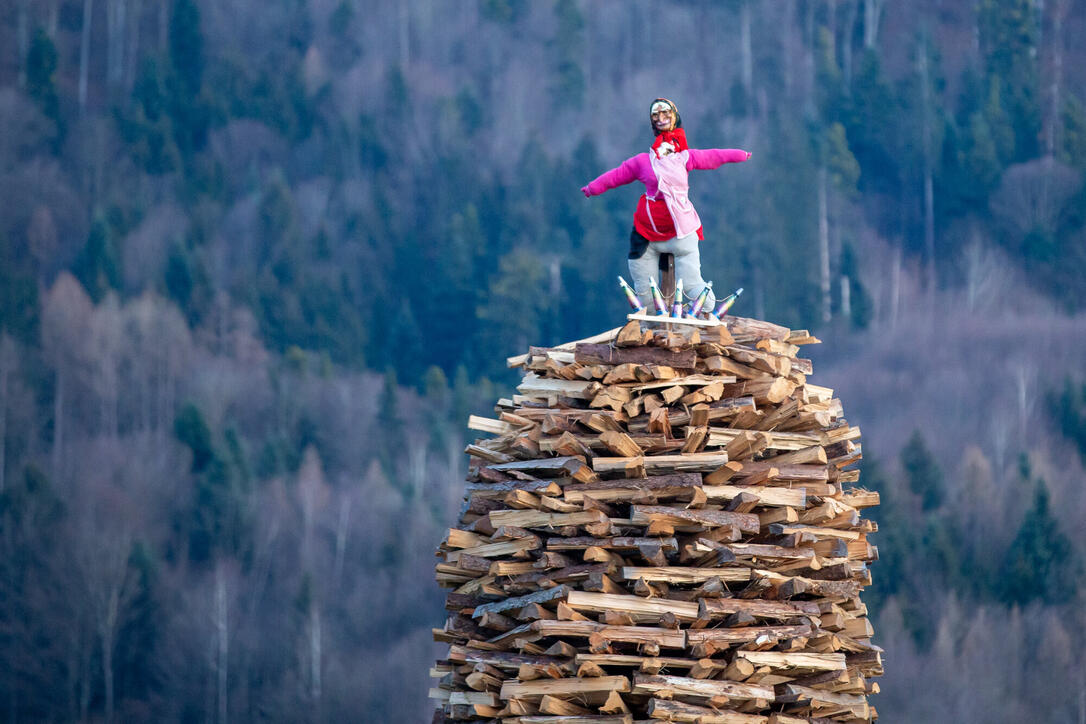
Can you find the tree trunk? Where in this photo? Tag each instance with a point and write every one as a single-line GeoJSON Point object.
{"type": "Point", "coordinates": [58, 421]}
{"type": "Point", "coordinates": [808, 58]}
{"type": "Point", "coordinates": [84, 53]}
{"type": "Point", "coordinates": [85, 677]}
{"type": "Point", "coordinates": [1054, 135]}
{"type": "Point", "coordinates": [895, 288]}
{"type": "Point", "coordinates": [872, 16]}
{"type": "Point", "coordinates": [824, 246]}
{"type": "Point", "coordinates": [929, 225]}
{"type": "Point", "coordinates": [789, 61]}
{"type": "Point", "coordinates": [222, 631]}
{"type": "Point", "coordinates": [116, 17]}
{"type": "Point", "coordinates": [343, 525]}
{"type": "Point", "coordinates": [108, 631]}
{"type": "Point", "coordinates": [6, 354]}
{"type": "Point", "coordinates": [846, 44]}
{"type": "Point", "coordinates": [22, 38]}
{"type": "Point", "coordinates": [315, 657]}
{"type": "Point", "coordinates": [405, 36]}
{"type": "Point", "coordinates": [163, 25]}
{"type": "Point", "coordinates": [747, 56]}
{"type": "Point", "coordinates": [132, 54]}
{"type": "Point", "coordinates": [929, 195]}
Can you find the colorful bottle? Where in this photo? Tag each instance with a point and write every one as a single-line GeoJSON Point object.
{"type": "Point", "coordinates": [677, 307]}
{"type": "Point", "coordinates": [725, 305]}
{"type": "Point", "coordinates": [699, 303]}
{"type": "Point", "coordinates": [638, 307]}
{"type": "Point", "coordinates": [657, 298]}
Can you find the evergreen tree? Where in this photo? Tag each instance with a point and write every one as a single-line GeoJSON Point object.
{"type": "Point", "coordinates": [436, 390]}
{"type": "Point", "coordinates": [1074, 133]}
{"type": "Point", "coordinates": [1039, 564]}
{"type": "Point", "coordinates": [186, 46]}
{"type": "Point", "coordinates": [390, 426]}
{"type": "Point", "coordinates": [569, 84]}
{"type": "Point", "coordinates": [872, 119]}
{"type": "Point", "coordinates": [503, 11]}
{"type": "Point", "coordinates": [218, 518]}
{"type": "Point", "coordinates": [187, 282]}
{"type": "Point", "coordinates": [18, 294]}
{"type": "Point", "coordinates": [41, 84]}
{"type": "Point", "coordinates": [98, 266]}
{"type": "Point", "coordinates": [189, 110]}
{"type": "Point", "coordinates": [148, 127]}
{"type": "Point", "coordinates": [859, 299]}
{"type": "Point", "coordinates": [1008, 34]}
{"type": "Point", "coordinates": [1069, 409]}
{"type": "Point", "coordinates": [981, 160]}
{"type": "Point", "coordinates": [139, 674]}
{"type": "Point", "coordinates": [923, 472]}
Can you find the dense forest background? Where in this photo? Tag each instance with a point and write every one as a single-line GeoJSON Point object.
{"type": "Point", "coordinates": [259, 261]}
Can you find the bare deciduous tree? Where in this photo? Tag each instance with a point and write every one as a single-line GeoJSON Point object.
{"type": "Point", "coordinates": [66, 314]}
{"type": "Point", "coordinates": [1031, 196]}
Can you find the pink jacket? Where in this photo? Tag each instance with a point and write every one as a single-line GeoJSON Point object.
{"type": "Point", "coordinates": [639, 168]}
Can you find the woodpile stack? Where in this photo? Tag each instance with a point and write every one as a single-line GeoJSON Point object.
{"type": "Point", "coordinates": [663, 527]}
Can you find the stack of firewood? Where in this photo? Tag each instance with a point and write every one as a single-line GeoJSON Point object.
{"type": "Point", "coordinates": [662, 527]}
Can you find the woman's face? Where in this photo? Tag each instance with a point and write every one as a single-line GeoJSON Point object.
{"type": "Point", "coordinates": [663, 119]}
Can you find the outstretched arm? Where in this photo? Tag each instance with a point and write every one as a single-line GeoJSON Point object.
{"type": "Point", "coordinates": [620, 176]}
{"type": "Point", "coordinates": [710, 158]}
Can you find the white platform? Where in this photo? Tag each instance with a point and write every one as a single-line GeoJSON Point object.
{"type": "Point", "coordinates": [687, 321]}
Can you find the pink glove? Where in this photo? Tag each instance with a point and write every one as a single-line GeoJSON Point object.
{"type": "Point", "coordinates": [584, 190]}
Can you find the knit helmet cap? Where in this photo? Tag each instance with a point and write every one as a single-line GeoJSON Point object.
{"type": "Point", "coordinates": [664, 104]}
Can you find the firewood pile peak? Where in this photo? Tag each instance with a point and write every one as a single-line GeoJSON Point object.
{"type": "Point", "coordinates": [663, 525]}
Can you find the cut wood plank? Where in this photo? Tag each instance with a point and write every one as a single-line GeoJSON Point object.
{"type": "Point", "coordinates": [546, 467]}
{"type": "Point", "coordinates": [486, 424]}
{"type": "Point", "coordinates": [668, 710]}
{"type": "Point", "coordinates": [577, 389]}
{"type": "Point", "coordinates": [717, 608]}
{"type": "Point", "coordinates": [692, 381]}
{"type": "Point", "coordinates": [605, 354]}
{"type": "Point", "coordinates": [553, 594]}
{"type": "Point", "coordinates": [700, 688]}
{"type": "Point", "coordinates": [787, 497]}
{"type": "Point", "coordinates": [514, 689]}
{"type": "Point", "coordinates": [543, 519]}
{"type": "Point", "coordinates": [522, 359]}
{"type": "Point", "coordinates": [764, 392]}
{"type": "Point", "coordinates": [620, 444]}
{"type": "Point", "coordinates": [720, 436]}
{"type": "Point", "coordinates": [630, 634]}
{"type": "Point", "coordinates": [794, 660]}
{"type": "Point", "coordinates": [645, 514]}
{"type": "Point", "coordinates": [679, 574]}
{"type": "Point", "coordinates": [617, 543]}
{"type": "Point", "coordinates": [558, 719]}
{"type": "Point", "coordinates": [689, 463]}
{"type": "Point", "coordinates": [752, 329]}
{"type": "Point", "coordinates": [745, 635]}
{"type": "Point", "coordinates": [494, 550]}
{"type": "Point", "coordinates": [634, 605]}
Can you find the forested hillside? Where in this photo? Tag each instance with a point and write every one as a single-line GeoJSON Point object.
{"type": "Point", "coordinates": [258, 261]}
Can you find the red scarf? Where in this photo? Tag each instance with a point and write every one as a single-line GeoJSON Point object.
{"type": "Point", "coordinates": [676, 137]}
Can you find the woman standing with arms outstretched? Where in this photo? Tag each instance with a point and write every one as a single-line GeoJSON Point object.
{"type": "Point", "coordinates": [665, 221]}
